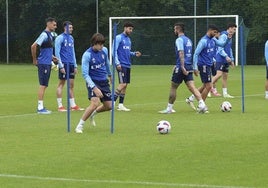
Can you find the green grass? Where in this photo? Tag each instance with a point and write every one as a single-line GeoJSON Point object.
{"type": "Point", "coordinates": [203, 150]}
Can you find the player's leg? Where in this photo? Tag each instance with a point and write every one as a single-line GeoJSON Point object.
{"type": "Point", "coordinates": [176, 80]}
{"type": "Point", "coordinates": [94, 103]}
{"type": "Point", "coordinates": [224, 82]}
{"type": "Point", "coordinates": [124, 80]}
{"type": "Point", "coordinates": [43, 75]}
{"type": "Point", "coordinates": [196, 93]}
{"type": "Point", "coordinates": [59, 95]}
{"type": "Point", "coordinates": [219, 71]}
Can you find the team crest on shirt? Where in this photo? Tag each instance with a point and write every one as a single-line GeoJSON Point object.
{"type": "Point", "coordinates": [102, 55]}
{"type": "Point", "coordinates": [93, 60]}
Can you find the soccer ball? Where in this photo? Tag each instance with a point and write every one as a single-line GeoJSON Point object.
{"type": "Point", "coordinates": [163, 127]}
{"type": "Point", "coordinates": [226, 106]}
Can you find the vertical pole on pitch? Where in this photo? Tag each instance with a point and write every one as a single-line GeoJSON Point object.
{"type": "Point", "coordinates": [68, 82]}
{"type": "Point", "coordinates": [241, 34]}
{"type": "Point", "coordinates": [113, 76]}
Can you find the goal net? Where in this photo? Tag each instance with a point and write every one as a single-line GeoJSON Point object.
{"type": "Point", "coordinates": [154, 36]}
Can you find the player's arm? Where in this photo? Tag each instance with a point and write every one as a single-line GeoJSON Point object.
{"type": "Point", "coordinates": [200, 46]}
{"type": "Point", "coordinates": [222, 41]}
{"type": "Point", "coordinates": [33, 51]}
{"type": "Point", "coordinates": [266, 52]}
{"type": "Point", "coordinates": [107, 64]}
{"type": "Point", "coordinates": [117, 42]}
{"type": "Point", "coordinates": [74, 60]}
{"type": "Point", "coordinates": [180, 48]}
{"type": "Point", "coordinates": [58, 42]}
{"type": "Point", "coordinates": [136, 53]}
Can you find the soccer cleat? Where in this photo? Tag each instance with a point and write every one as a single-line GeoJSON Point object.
{"type": "Point", "coordinates": [228, 96]}
{"type": "Point", "coordinates": [173, 111]}
{"type": "Point", "coordinates": [190, 103]}
{"type": "Point", "coordinates": [79, 129]}
{"type": "Point", "coordinates": [266, 97]}
{"type": "Point", "coordinates": [123, 108]}
{"type": "Point", "coordinates": [92, 121]}
{"type": "Point", "coordinates": [166, 111]}
{"type": "Point", "coordinates": [62, 109]}
{"type": "Point", "coordinates": [203, 110]}
{"type": "Point", "coordinates": [77, 108]}
{"type": "Point", "coordinates": [209, 94]}
{"type": "Point", "coordinates": [214, 92]}
{"type": "Point", "coordinates": [44, 111]}
{"type": "Point", "coordinates": [54, 67]}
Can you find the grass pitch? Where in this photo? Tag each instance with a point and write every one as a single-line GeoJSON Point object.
{"type": "Point", "coordinates": [216, 150]}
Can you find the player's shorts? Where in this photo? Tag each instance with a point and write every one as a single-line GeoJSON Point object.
{"type": "Point", "coordinates": [205, 73]}
{"type": "Point", "coordinates": [124, 75]}
{"type": "Point", "coordinates": [178, 76]}
{"type": "Point", "coordinates": [71, 72]}
{"type": "Point", "coordinates": [104, 86]}
{"type": "Point", "coordinates": [44, 74]}
{"type": "Point", "coordinates": [213, 69]}
{"type": "Point", "coordinates": [224, 67]}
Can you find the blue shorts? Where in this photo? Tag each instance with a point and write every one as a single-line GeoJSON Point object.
{"type": "Point", "coordinates": [178, 76]}
{"type": "Point", "coordinates": [71, 72]}
{"type": "Point", "coordinates": [104, 86]}
{"type": "Point", "coordinates": [224, 67]}
{"type": "Point", "coordinates": [44, 74]}
{"type": "Point", "coordinates": [124, 75]}
{"type": "Point", "coordinates": [205, 73]}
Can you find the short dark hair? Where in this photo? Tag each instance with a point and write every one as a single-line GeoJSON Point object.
{"type": "Point", "coordinates": [128, 24]}
{"type": "Point", "coordinates": [181, 25]}
{"type": "Point", "coordinates": [66, 23]}
{"type": "Point", "coordinates": [50, 19]}
{"type": "Point", "coordinates": [213, 27]}
{"type": "Point", "coordinates": [231, 25]}
{"type": "Point", "coordinates": [97, 38]}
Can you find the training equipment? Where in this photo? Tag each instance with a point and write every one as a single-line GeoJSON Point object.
{"type": "Point", "coordinates": [226, 106]}
{"type": "Point", "coordinates": [163, 127]}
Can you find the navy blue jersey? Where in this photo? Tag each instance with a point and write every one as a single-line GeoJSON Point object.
{"type": "Point", "coordinates": [45, 41]}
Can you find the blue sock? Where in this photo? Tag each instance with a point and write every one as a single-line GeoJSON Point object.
{"type": "Point", "coordinates": [121, 98]}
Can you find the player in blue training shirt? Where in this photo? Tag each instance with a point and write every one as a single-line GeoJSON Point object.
{"type": "Point", "coordinates": [96, 70]}
{"type": "Point", "coordinates": [203, 60]}
{"type": "Point", "coordinates": [43, 61]}
{"type": "Point", "coordinates": [183, 71]}
{"type": "Point", "coordinates": [266, 59]}
{"type": "Point", "coordinates": [224, 58]}
{"type": "Point", "coordinates": [123, 62]}
{"type": "Point", "coordinates": [64, 51]}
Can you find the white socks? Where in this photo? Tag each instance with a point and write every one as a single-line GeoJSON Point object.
{"type": "Point", "coordinates": [224, 91]}
{"type": "Point", "coordinates": [169, 107]}
{"type": "Point", "coordinates": [72, 102]}
{"type": "Point", "coordinates": [40, 105]}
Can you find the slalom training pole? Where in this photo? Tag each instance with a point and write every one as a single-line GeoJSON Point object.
{"type": "Point", "coordinates": [68, 82]}
{"type": "Point", "coordinates": [241, 30]}
{"type": "Point", "coordinates": [113, 76]}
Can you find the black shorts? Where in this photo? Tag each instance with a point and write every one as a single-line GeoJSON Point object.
{"type": "Point", "coordinates": [71, 72]}
{"type": "Point", "coordinates": [104, 86]}
{"type": "Point", "coordinates": [178, 76]}
{"type": "Point", "coordinates": [44, 74]}
{"type": "Point", "coordinates": [124, 75]}
{"type": "Point", "coordinates": [221, 66]}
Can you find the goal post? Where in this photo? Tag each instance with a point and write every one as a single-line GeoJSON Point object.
{"type": "Point", "coordinates": [196, 32]}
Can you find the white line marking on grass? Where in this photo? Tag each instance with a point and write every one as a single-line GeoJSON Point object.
{"type": "Point", "coordinates": [138, 104]}
{"type": "Point", "coordinates": [118, 182]}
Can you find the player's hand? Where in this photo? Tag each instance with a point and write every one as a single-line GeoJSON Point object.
{"type": "Point", "coordinates": [228, 59]}
{"type": "Point", "coordinates": [230, 35]}
{"type": "Point", "coordinates": [62, 70]}
{"type": "Point", "coordinates": [184, 71]}
{"type": "Point", "coordinates": [35, 62]}
{"type": "Point", "coordinates": [196, 72]}
{"type": "Point", "coordinates": [138, 54]}
{"type": "Point", "coordinates": [75, 71]}
{"type": "Point", "coordinates": [110, 79]}
{"type": "Point", "coordinates": [232, 64]}
{"type": "Point", "coordinates": [97, 92]}
{"type": "Point", "coordinates": [119, 68]}
{"type": "Point", "coordinates": [55, 59]}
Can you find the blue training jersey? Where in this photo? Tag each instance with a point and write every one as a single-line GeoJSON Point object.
{"type": "Point", "coordinates": [95, 66]}
{"type": "Point", "coordinates": [64, 49]}
{"type": "Point", "coordinates": [123, 50]}
{"type": "Point", "coordinates": [45, 41]}
{"type": "Point", "coordinates": [184, 44]}
{"type": "Point", "coordinates": [266, 52]}
{"type": "Point", "coordinates": [225, 51]}
{"type": "Point", "coordinates": [204, 52]}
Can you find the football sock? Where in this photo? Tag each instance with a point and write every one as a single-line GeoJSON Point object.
{"type": "Point", "coordinates": [169, 106]}
{"type": "Point", "coordinates": [191, 98]}
{"type": "Point", "coordinates": [224, 91]}
{"type": "Point", "coordinates": [59, 100]}
{"type": "Point", "coordinates": [266, 93]}
{"type": "Point", "coordinates": [121, 98]}
{"type": "Point", "coordinates": [201, 103]}
{"type": "Point", "coordinates": [81, 122]}
{"type": "Point", "coordinates": [40, 105]}
{"type": "Point", "coordinates": [72, 103]}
